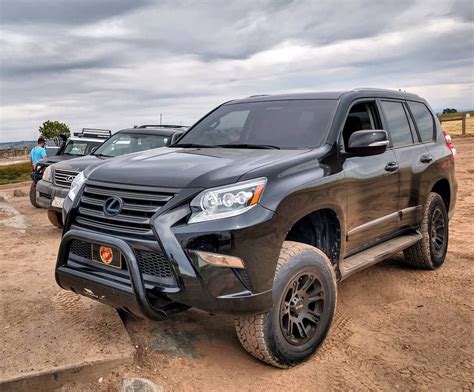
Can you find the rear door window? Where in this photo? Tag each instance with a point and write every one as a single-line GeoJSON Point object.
{"type": "Point", "coordinates": [397, 123]}
{"type": "Point", "coordinates": [424, 120]}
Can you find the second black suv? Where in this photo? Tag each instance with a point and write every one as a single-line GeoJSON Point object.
{"type": "Point", "coordinates": [80, 144]}
{"type": "Point", "coordinates": [57, 178]}
{"type": "Point", "coordinates": [258, 211]}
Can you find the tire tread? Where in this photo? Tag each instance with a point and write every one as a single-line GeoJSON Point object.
{"type": "Point", "coordinates": [250, 329]}
{"type": "Point", "coordinates": [419, 254]}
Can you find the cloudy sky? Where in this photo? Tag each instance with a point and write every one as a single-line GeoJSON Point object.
{"type": "Point", "coordinates": [115, 63]}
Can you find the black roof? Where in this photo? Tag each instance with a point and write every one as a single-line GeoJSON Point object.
{"type": "Point", "coordinates": [363, 92]}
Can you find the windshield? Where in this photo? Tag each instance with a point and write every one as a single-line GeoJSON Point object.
{"type": "Point", "coordinates": [126, 143]}
{"type": "Point", "coordinates": [286, 124]}
{"type": "Point", "coordinates": [80, 147]}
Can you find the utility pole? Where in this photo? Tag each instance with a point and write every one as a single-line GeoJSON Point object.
{"type": "Point", "coordinates": [161, 117]}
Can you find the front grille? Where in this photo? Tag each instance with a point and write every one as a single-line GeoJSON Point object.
{"type": "Point", "coordinates": [134, 218]}
{"type": "Point", "coordinates": [82, 249]}
{"type": "Point", "coordinates": [154, 264]}
{"type": "Point", "coordinates": [64, 178]}
{"type": "Point", "coordinates": [149, 262]}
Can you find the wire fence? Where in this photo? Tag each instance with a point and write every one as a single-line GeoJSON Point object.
{"type": "Point", "coordinates": [14, 153]}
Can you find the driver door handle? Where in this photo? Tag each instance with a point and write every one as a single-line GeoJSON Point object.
{"type": "Point", "coordinates": [392, 166]}
{"type": "Point", "coordinates": [426, 158]}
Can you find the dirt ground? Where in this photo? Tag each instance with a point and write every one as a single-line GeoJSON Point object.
{"type": "Point", "coordinates": [395, 328]}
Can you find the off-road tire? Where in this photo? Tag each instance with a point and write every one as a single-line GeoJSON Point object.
{"type": "Point", "coordinates": [33, 195]}
{"type": "Point", "coordinates": [422, 255]}
{"type": "Point", "coordinates": [55, 218]}
{"type": "Point", "coordinates": [261, 334]}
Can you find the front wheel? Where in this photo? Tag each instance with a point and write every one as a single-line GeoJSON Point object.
{"type": "Point", "coordinates": [430, 251]}
{"type": "Point", "coordinates": [33, 195]}
{"type": "Point", "coordinates": [55, 218]}
{"type": "Point", "coordinates": [304, 302]}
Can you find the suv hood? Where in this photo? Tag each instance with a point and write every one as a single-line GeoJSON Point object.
{"type": "Point", "coordinates": [186, 167]}
{"type": "Point", "coordinates": [79, 164]}
{"type": "Point", "coordinates": [56, 158]}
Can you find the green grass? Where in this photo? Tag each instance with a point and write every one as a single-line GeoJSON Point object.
{"type": "Point", "coordinates": [15, 173]}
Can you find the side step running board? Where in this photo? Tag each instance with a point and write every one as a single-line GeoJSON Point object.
{"type": "Point", "coordinates": [376, 254]}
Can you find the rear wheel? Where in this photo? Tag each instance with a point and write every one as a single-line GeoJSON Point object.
{"type": "Point", "coordinates": [430, 251]}
{"type": "Point", "coordinates": [33, 195]}
{"type": "Point", "coordinates": [55, 218]}
{"type": "Point", "coordinates": [304, 297]}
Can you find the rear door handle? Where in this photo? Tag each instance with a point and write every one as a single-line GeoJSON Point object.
{"type": "Point", "coordinates": [392, 166]}
{"type": "Point", "coordinates": [426, 158]}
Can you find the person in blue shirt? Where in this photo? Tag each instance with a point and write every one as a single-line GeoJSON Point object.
{"type": "Point", "coordinates": [38, 153]}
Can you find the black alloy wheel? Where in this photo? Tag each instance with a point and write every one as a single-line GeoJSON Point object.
{"type": "Point", "coordinates": [430, 251]}
{"type": "Point", "coordinates": [302, 308]}
{"type": "Point", "coordinates": [438, 232]}
{"type": "Point", "coordinates": [304, 302]}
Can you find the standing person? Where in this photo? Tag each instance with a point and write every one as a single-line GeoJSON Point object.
{"type": "Point", "coordinates": [38, 152]}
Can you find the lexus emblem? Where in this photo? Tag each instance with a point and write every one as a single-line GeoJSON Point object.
{"type": "Point", "coordinates": [113, 205]}
{"type": "Point", "coordinates": [70, 178]}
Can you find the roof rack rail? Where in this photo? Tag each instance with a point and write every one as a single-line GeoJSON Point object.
{"type": "Point", "coordinates": [94, 132]}
{"type": "Point", "coordinates": [382, 89]}
{"type": "Point", "coordinates": [258, 95]}
{"type": "Point", "coordinates": [160, 126]}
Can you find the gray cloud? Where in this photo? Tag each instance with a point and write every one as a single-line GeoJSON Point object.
{"type": "Point", "coordinates": [118, 63]}
{"type": "Point", "coordinates": [69, 12]}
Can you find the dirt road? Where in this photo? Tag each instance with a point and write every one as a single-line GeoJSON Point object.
{"type": "Point", "coordinates": [396, 328]}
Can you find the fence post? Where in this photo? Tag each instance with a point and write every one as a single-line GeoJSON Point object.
{"type": "Point", "coordinates": [463, 129]}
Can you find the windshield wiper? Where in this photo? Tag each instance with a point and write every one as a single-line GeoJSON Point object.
{"type": "Point", "coordinates": [191, 145]}
{"type": "Point", "coordinates": [103, 155]}
{"type": "Point", "coordinates": [248, 145]}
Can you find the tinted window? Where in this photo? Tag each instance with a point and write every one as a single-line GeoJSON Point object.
{"type": "Point", "coordinates": [424, 120]}
{"type": "Point", "coordinates": [397, 123]}
{"type": "Point", "coordinates": [286, 124]}
{"type": "Point", "coordinates": [358, 119]}
{"type": "Point", "coordinates": [126, 143]}
{"type": "Point", "coordinates": [79, 148]}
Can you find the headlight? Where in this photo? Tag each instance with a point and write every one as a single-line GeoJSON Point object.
{"type": "Point", "coordinates": [227, 201]}
{"type": "Point", "coordinates": [48, 174]}
{"type": "Point", "coordinates": [76, 185]}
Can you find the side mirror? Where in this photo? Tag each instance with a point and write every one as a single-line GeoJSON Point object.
{"type": "Point", "coordinates": [370, 142]}
{"type": "Point", "coordinates": [176, 136]}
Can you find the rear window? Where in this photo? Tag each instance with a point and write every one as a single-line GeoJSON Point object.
{"type": "Point", "coordinates": [397, 122]}
{"type": "Point", "coordinates": [286, 124]}
{"type": "Point", "coordinates": [424, 120]}
{"type": "Point", "coordinates": [126, 143]}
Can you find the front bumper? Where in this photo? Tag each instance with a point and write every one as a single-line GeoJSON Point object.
{"type": "Point", "coordinates": [197, 284]}
{"type": "Point", "coordinates": [46, 192]}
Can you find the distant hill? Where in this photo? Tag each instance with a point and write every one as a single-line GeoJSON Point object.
{"type": "Point", "coordinates": [17, 145]}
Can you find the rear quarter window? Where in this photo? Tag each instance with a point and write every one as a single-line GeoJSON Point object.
{"type": "Point", "coordinates": [424, 120]}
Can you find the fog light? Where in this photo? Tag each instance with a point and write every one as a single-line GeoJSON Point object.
{"type": "Point", "coordinates": [219, 260]}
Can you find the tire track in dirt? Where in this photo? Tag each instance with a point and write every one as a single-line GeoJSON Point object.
{"type": "Point", "coordinates": [78, 310]}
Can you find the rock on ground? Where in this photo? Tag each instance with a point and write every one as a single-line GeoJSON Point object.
{"type": "Point", "coordinates": [19, 193]}
{"type": "Point", "coordinates": [140, 385]}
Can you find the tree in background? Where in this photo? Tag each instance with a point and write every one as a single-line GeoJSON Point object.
{"type": "Point", "coordinates": [54, 130]}
{"type": "Point", "coordinates": [448, 110]}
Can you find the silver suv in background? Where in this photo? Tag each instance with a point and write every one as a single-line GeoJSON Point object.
{"type": "Point", "coordinates": [80, 144]}
{"type": "Point", "coordinates": [54, 186]}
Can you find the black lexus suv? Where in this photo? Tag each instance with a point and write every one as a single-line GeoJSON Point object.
{"type": "Point", "coordinates": [260, 209]}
